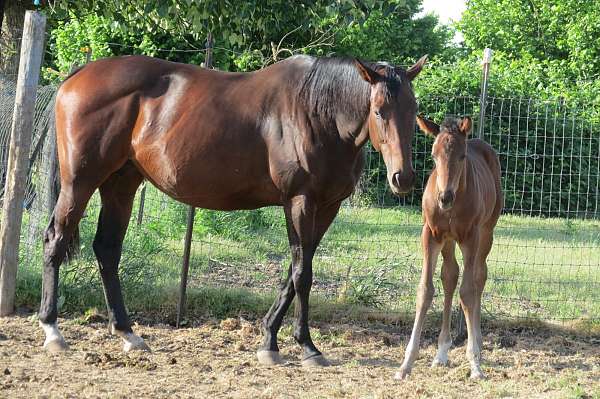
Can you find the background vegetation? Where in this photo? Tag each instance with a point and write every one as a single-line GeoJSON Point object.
{"type": "Point", "coordinates": [543, 117]}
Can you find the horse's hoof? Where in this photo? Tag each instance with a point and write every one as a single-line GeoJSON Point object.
{"type": "Point", "coordinates": [56, 345]}
{"type": "Point", "coordinates": [269, 358]}
{"type": "Point", "coordinates": [477, 375]}
{"type": "Point", "coordinates": [437, 362]}
{"type": "Point", "coordinates": [134, 343]}
{"type": "Point", "coordinates": [402, 374]}
{"type": "Point", "coordinates": [316, 361]}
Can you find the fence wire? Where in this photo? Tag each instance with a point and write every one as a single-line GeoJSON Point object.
{"type": "Point", "coordinates": [545, 262]}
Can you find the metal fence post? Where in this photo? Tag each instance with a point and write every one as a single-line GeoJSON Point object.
{"type": "Point", "coordinates": [20, 142]}
{"type": "Point", "coordinates": [461, 326]}
{"type": "Point", "coordinates": [487, 60]}
{"type": "Point", "coordinates": [185, 267]}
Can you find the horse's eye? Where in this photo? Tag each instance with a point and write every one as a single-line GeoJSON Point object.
{"type": "Point", "coordinates": [378, 114]}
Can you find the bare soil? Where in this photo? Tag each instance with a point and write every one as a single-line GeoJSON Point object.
{"type": "Point", "coordinates": [216, 358]}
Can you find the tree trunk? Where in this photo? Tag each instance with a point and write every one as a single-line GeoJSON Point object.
{"type": "Point", "coordinates": [10, 39]}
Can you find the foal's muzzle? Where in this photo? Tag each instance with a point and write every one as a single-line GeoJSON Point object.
{"type": "Point", "coordinates": [446, 200]}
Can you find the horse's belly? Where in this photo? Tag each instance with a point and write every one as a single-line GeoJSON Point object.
{"type": "Point", "coordinates": [210, 183]}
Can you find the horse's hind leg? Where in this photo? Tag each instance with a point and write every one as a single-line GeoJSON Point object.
{"type": "Point", "coordinates": [65, 219]}
{"type": "Point", "coordinates": [449, 281]}
{"type": "Point", "coordinates": [117, 194]}
{"type": "Point", "coordinates": [475, 252]}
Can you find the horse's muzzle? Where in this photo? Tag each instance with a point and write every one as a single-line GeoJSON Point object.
{"type": "Point", "coordinates": [402, 183]}
{"type": "Point", "coordinates": [446, 200]}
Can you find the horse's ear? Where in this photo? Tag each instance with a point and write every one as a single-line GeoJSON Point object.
{"type": "Point", "coordinates": [466, 125]}
{"type": "Point", "coordinates": [414, 70]}
{"type": "Point", "coordinates": [428, 127]}
{"type": "Point", "coordinates": [366, 72]}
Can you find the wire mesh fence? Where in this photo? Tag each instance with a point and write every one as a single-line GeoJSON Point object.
{"type": "Point", "coordinates": [545, 262]}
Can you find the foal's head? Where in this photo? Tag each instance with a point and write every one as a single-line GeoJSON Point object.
{"type": "Point", "coordinates": [391, 118]}
{"type": "Point", "coordinates": [449, 152]}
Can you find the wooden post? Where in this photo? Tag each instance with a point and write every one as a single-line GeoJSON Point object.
{"type": "Point", "coordinates": [22, 125]}
{"type": "Point", "coordinates": [185, 267]}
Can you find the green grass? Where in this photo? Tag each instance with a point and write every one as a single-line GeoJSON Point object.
{"type": "Point", "coordinates": [539, 268]}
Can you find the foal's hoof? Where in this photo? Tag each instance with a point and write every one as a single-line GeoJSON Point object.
{"type": "Point", "coordinates": [402, 374]}
{"type": "Point", "coordinates": [56, 345]}
{"type": "Point", "coordinates": [439, 362]}
{"type": "Point", "coordinates": [477, 375]}
{"type": "Point", "coordinates": [316, 361]}
{"type": "Point", "coordinates": [269, 358]}
{"type": "Point", "coordinates": [134, 343]}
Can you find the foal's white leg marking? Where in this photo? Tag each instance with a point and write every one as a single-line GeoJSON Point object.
{"type": "Point", "coordinates": [54, 340]}
{"type": "Point", "coordinates": [411, 354]}
{"type": "Point", "coordinates": [474, 356]}
{"type": "Point", "coordinates": [131, 341]}
{"type": "Point", "coordinates": [441, 358]}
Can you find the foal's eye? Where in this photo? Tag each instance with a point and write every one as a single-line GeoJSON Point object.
{"type": "Point", "coordinates": [378, 114]}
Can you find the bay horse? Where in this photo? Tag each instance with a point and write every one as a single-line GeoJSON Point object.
{"type": "Point", "coordinates": [290, 135]}
{"type": "Point", "coordinates": [461, 204]}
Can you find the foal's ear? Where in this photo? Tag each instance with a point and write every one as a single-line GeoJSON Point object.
{"type": "Point", "coordinates": [466, 125]}
{"type": "Point", "coordinates": [428, 127]}
{"type": "Point", "coordinates": [414, 70]}
{"type": "Point", "coordinates": [367, 72]}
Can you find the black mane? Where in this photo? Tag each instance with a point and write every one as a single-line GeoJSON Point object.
{"type": "Point", "coordinates": [333, 85]}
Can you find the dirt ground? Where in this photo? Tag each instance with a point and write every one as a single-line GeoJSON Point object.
{"type": "Point", "coordinates": [216, 358]}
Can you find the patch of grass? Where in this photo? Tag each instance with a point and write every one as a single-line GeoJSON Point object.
{"type": "Point", "coordinates": [539, 268]}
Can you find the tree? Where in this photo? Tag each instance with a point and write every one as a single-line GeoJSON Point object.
{"type": "Point", "coordinates": [562, 33]}
{"type": "Point", "coordinates": [12, 15]}
{"type": "Point", "coordinates": [249, 35]}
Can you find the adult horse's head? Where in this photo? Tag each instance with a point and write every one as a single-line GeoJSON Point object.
{"type": "Point", "coordinates": [391, 119]}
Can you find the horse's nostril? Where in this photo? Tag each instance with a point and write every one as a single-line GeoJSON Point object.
{"type": "Point", "coordinates": [396, 179]}
{"type": "Point", "coordinates": [447, 197]}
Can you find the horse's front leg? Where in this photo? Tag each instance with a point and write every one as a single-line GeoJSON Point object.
{"type": "Point", "coordinates": [268, 354]}
{"type": "Point", "coordinates": [431, 250]}
{"type": "Point", "coordinates": [301, 217]}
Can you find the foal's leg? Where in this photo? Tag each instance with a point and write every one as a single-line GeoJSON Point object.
{"type": "Point", "coordinates": [65, 219]}
{"type": "Point", "coordinates": [474, 277]}
{"type": "Point", "coordinates": [431, 250]}
{"type": "Point", "coordinates": [268, 354]}
{"type": "Point", "coordinates": [117, 194]}
{"type": "Point", "coordinates": [449, 281]}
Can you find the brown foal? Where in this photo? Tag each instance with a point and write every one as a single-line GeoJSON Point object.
{"type": "Point", "coordinates": [461, 204]}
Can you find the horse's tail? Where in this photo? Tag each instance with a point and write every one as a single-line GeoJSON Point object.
{"type": "Point", "coordinates": [73, 245]}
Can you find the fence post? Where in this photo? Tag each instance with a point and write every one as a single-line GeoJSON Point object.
{"type": "Point", "coordinates": [185, 267]}
{"type": "Point", "coordinates": [487, 60]}
{"type": "Point", "coordinates": [18, 159]}
{"type": "Point", "coordinates": [461, 325]}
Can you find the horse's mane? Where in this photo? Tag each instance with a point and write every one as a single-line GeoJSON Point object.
{"type": "Point", "coordinates": [450, 124]}
{"type": "Point", "coordinates": [334, 85]}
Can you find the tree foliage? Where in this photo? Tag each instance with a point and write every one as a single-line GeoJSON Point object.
{"type": "Point", "coordinates": [247, 35]}
{"type": "Point", "coordinates": [559, 33]}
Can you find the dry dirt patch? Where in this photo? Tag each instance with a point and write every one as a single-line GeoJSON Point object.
{"type": "Point", "coordinates": [215, 358]}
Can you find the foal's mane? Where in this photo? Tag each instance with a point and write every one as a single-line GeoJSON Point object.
{"type": "Point", "coordinates": [450, 124]}
{"type": "Point", "coordinates": [333, 85]}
